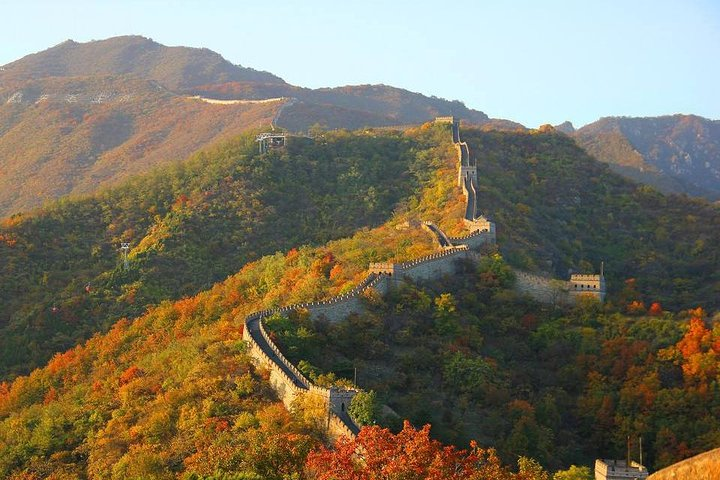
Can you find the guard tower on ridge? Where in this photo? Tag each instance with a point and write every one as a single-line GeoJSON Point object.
{"type": "Point", "coordinates": [270, 140]}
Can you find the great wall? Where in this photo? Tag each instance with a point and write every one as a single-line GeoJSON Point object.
{"type": "Point", "coordinates": [290, 384]}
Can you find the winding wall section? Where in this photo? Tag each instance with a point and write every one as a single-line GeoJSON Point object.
{"type": "Point", "coordinates": [288, 382]}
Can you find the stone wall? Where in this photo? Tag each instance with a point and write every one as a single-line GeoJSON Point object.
{"type": "Point", "coordinates": [466, 171]}
{"type": "Point", "coordinates": [284, 386]}
{"type": "Point", "coordinates": [449, 119]}
{"type": "Point", "coordinates": [549, 290]}
{"type": "Point", "coordinates": [338, 308]}
{"type": "Point", "coordinates": [484, 233]}
{"type": "Point", "coordinates": [471, 198]}
{"type": "Point", "coordinates": [442, 239]}
{"type": "Point", "coordinates": [289, 383]}
{"type": "Point", "coordinates": [433, 266]}
{"type": "Point", "coordinates": [593, 285]}
{"type": "Point", "coordinates": [429, 267]}
{"type": "Point", "coordinates": [542, 289]}
{"type": "Point", "coordinates": [338, 428]}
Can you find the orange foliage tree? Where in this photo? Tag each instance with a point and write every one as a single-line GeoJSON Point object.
{"type": "Point", "coordinates": [377, 453]}
{"type": "Point", "coordinates": [655, 309]}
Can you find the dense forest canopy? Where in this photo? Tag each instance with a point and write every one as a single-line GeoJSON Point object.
{"type": "Point", "coordinates": [171, 393]}
{"type": "Point", "coordinates": [189, 226]}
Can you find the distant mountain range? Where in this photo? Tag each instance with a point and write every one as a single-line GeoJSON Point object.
{"type": "Point", "coordinates": [677, 154]}
{"type": "Point", "coordinates": [81, 115]}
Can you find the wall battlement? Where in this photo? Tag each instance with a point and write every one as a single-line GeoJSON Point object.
{"type": "Point", "coordinates": [548, 290]}
{"type": "Point", "coordinates": [448, 119]}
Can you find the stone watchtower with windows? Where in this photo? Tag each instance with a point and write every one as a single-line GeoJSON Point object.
{"type": "Point", "coordinates": [587, 285]}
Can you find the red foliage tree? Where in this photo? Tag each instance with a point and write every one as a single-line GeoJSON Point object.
{"type": "Point", "coordinates": [128, 375]}
{"type": "Point", "coordinates": [378, 453]}
{"type": "Point", "coordinates": [636, 307]}
{"type": "Point", "coordinates": [655, 309]}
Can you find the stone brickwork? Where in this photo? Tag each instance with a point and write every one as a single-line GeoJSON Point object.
{"type": "Point", "coordinates": [584, 285]}
{"type": "Point", "coordinates": [339, 307]}
{"type": "Point", "coordinates": [542, 289]}
{"type": "Point", "coordinates": [483, 233]}
{"type": "Point", "coordinates": [442, 239]}
{"type": "Point", "coordinates": [289, 383]}
{"type": "Point", "coordinates": [567, 292]}
{"type": "Point", "coordinates": [425, 268]}
{"type": "Point", "coordinates": [449, 119]}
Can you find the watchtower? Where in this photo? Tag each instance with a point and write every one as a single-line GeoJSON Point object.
{"type": "Point", "coordinates": [607, 469]}
{"type": "Point", "coordinates": [448, 119]}
{"type": "Point", "coordinates": [270, 140]}
{"type": "Point", "coordinates": [587, 285]}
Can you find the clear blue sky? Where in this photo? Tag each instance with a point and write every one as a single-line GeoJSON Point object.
{"type": "Point", "coordinates": [539, 61]}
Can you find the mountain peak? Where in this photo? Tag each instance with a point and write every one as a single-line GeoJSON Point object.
{"type": "Point", "coordinates": [176, 68]}
{"type": "Point", "coordinates": [565, 127]}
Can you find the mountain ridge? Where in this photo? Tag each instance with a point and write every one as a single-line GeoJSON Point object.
{"type": "Point", "coordinates": [132, 54]}
{"type": "Point", "coordinates": [676, 153]}
{"type": "Point", "coordinates": [69, 136]}
{"type": "Point", "coordinates": [51, 101]}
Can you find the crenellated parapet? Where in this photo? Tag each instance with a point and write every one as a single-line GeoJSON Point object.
{"type": "Point", "coordinates": [290, 384]}
{"type": "Point", "coordinates": [587, 285]}
{"type": "Point", "coordinates": [442, 239]}
{"type": "Point", "coordinates": [548, 290]}
{"type": "Point", "coordinates": [482, 233]}
{"type": "Point", "coordinates": [448, 119]}
{"type": "Point", "coordinates": [288, 381]}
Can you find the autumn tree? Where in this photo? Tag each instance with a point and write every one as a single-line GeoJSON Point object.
{"type": "Point", "coordinates": [377, 453]}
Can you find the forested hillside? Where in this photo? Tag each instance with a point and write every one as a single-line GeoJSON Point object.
{"type": "Point", "coordinates": [557, 209]}
{"type": "Point", "coordinates": [172, 394]}
{"type": "Point", "coordinates": [478, 361]}
{"type": "Point", "coordinates": [72, 136]}
{"type": "Point", "coordinates": [82, 116]}
{"type": "Point", "coordinates": [189, 226]}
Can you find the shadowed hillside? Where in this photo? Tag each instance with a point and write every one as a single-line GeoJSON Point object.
{"type": "Point", "coordinates": [679, 153]}
{"type": "Point", "coordinates": [555, 207]}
